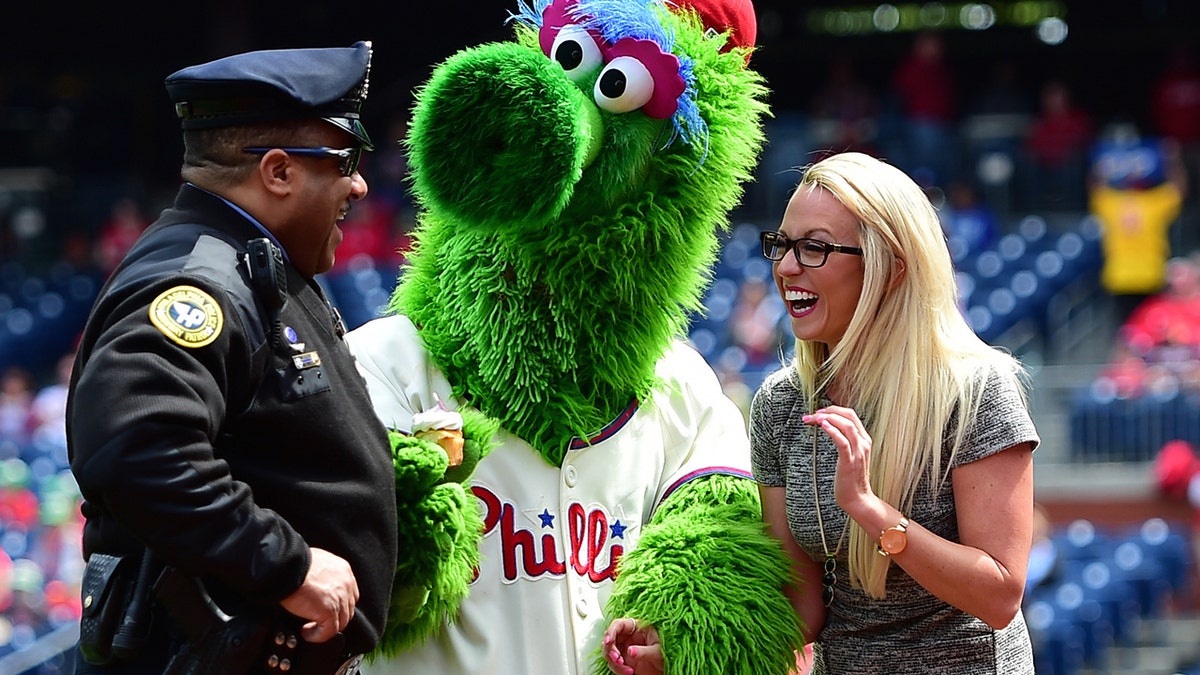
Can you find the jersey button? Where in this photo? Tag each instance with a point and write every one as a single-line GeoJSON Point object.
{"type": "Point", "coordinates": [581, 607]}
{"type": "Point", "coordinates": [570, 475]}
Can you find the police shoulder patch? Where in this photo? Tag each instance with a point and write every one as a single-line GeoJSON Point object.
{"type": "Point", "coordinates": [187, 315]}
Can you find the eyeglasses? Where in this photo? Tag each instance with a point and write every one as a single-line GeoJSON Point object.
{"type": "Point", "coordinates": [348, 157]}
{"type": "Point", "coordinates": [809, 252]}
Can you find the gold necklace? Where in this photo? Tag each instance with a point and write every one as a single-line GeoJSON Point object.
{"type": "Point", "coordinates": [829, 579]}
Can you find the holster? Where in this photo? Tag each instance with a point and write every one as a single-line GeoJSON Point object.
{"type": "Point", "coordinates": [217, 643]}
{"type": "Point", "coordinates": [106, 592]}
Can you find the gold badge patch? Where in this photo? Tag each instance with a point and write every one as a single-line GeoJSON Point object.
{"type": "Point", "coordinates": [187, 315]}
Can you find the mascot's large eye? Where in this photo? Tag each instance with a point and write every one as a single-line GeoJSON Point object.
{"type": "Point", "coordinates": [625, 84]}
{"type": "Point", "coordinates": [576, 51]}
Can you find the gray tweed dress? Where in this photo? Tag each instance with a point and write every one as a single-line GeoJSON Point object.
{"type": "Point", "coordinates": [909, 631]}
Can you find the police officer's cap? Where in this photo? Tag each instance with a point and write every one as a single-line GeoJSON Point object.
{"type": "Point", "coordinates": [274, 85]}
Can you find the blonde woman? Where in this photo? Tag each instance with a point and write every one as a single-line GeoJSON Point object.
{"type": "Point", "coordinates": [895, 453]}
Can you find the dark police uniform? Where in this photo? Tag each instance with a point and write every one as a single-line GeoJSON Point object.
{"type": "Point", "coordinates": [227, 433]}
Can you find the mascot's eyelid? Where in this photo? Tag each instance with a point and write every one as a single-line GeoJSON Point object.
{"type": "Point", "coordinates": [555, 18]}
{"type": "Point", "coordinates": [577, 50]}
{"type": "Point", "coordinates": [661, 67]}
{"type": "Point", "coordinates": [624, 85]}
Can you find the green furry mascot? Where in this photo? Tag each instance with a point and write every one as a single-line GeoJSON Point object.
{"type": "Point", "coordinates": [572, 184]}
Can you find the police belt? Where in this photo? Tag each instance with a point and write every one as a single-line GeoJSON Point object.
{"type": "Point", "coordinates": [216, 643]}
{"type": "Point", "coordinates": [286, 652]}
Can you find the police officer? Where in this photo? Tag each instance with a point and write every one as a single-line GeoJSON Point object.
{"type": "Point", "coordinates": [218, 426]}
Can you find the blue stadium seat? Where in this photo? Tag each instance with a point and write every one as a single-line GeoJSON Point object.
{"type": "Point", "coordinates": [1050, 265]}
{"type": "Point", "coordinates": [1025, 285]}
{"type": "Point", "coordinates": [1082, 541]}
{"type": "Point", "coordinates": [1033, 229]}
{"type": "Point", "coordinates": [960, 249]}
{"type": "Point", "coordinates": [1072, 602]}
{"type": "Point", "coordinates": [1169, 547]}
{"type": "Point", "coordinates": [360, 291]}
{"type": "Point", "coordinates": [1058, 642]}
{"type": "Point", "coordinates": [1144, 575]}
{"type": "Point", "coordinates": [1117, 600]}
{"type": "Point", "coordinates": [966, 287]}
{"type": "Point", "coordinates": [1105, 427]}
{"type": "Point", "coordinates": [705, 341]}
{"type": "Point", "coordinates": [979, 317]}
{"type": "Point", "coordinates": [722, 290]}
{"type": "Point", "coordinates": [733, 258]}
{"type": "Point", "coordinates": [1011, 248]}
{"type": "Point", "coordinates": [757, 268]}
{"type": "Point", "coordinates": [988, 267]}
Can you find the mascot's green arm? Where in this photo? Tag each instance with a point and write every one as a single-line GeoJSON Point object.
{"type": "Point", "coordinates": [439, 526]}
{"type": "Point", "coordinates": [707, 575]}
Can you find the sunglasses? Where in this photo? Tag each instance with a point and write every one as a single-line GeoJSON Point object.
{"type": "Point", "coordinates": [348, 158]}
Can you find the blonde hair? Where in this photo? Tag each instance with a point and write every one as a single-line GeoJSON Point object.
{"type": "Point", "coordinates": [908, 362]}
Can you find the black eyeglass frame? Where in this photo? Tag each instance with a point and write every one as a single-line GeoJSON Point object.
{"type": "Point", "coordinates": [778, 242]}
{"type": "Point", "coordinates": [348, 158]}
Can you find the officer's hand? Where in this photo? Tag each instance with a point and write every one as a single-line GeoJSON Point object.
{"type": "Point", "coordinates": [326, 599]}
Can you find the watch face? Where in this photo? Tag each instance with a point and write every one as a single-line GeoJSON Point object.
{"type": "Point", "coordinates": [893, 540]}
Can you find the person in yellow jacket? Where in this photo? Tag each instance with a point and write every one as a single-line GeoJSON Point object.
{"type": "Point", "coordinates": [1136, 193]}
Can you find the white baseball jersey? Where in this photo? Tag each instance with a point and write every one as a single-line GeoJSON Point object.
{"type": "Point", "coordinates": [552, 536]}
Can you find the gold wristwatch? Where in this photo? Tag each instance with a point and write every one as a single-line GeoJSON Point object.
{"type": "Point", "coordinates": [894, 539]}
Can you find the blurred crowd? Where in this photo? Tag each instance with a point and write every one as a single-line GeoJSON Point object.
{"type": "Point", "coordinates": [1020, 145]}
{"type": "Point", "coordinates": [1157, 347]}
{"type": "Point", "coordinates": [40, 523]}
{"type": "Point", "coordinates": [1010, 148]}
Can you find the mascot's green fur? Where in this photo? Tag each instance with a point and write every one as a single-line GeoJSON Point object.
{"type": "Point", "coordinates": [561, 249]}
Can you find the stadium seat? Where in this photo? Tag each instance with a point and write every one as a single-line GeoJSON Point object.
{"type": "Point", "coordinates": [1144, 575]}
{"type": "Point", "coordinates": [1170, 548]}
{"type": "Point", "coordinates": [1011, 248]}
{"type": "Point", "coordinates": [1058, 643]}
{"type": "Point", "coordinates": [966, 286]}
{"type": "Point", "coordinates": [988, 267]}
{"type": "Point", "coordinates": [1082, 541]}
{"type": "Point", "coordinates": [979, 317]}
{"type": "Point", "coordinates": [1072, 602]}
{"type": "Point", "coordinates": [1049, 265]}
{"type": "Point", "coordinates": [1033, 229]}
{"type": "Point", "coordinates": [1117, 600]}
{"type": "Point", "coordinates": [959, 249]}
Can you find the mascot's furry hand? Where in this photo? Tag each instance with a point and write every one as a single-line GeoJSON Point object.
{"type": "Point", "coordinates": [439, 525]}
{"type": "Point", "coordinates": [706, 554]}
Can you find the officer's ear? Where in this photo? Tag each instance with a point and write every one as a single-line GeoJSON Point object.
{"type": "Point", "coordinates": [276, 170]}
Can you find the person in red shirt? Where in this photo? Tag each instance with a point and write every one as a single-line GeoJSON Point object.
{"type": "Point", "coordinates": [118, 234]}
{"type": "Point", "coordinates": [1175, 311]}
{"type": "Point", "coordinates": [1175, 100]}
{"type": "Point", "coordinates": [845, 113]}
{"type": "Point", "coordinates": [927, 94]}
{"type": "Point", "coordinates": [1175, 109]}
{"type": "Point", "coordinates": [1056, 150]}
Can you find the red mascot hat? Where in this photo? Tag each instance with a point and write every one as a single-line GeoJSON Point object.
{"type": "Point", "coordinates": [733, 16]}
